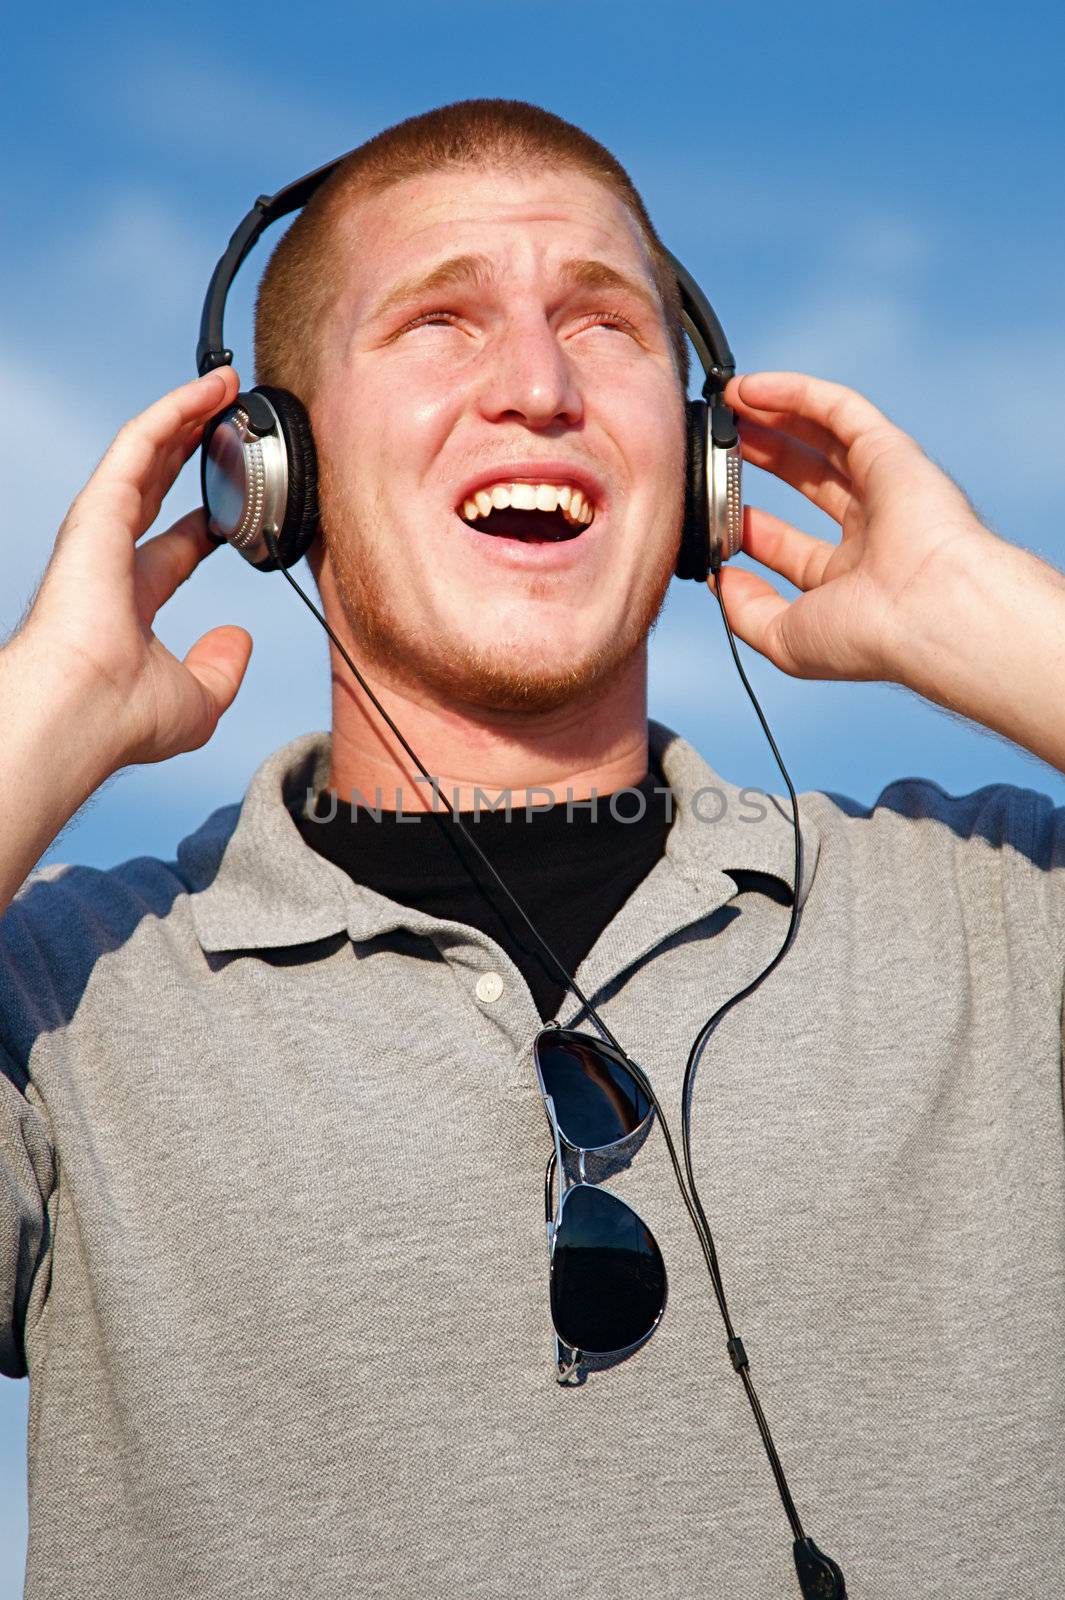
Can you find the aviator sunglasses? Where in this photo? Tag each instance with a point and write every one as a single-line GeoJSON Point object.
{"type": "Point", "coordinates": [607, 1277]}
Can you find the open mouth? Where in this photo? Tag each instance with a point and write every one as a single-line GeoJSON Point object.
{"type": "Point", "coordinates": [534, 513]}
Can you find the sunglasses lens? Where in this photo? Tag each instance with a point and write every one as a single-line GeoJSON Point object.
{"type": "Point", "coordinates": [597, 1099]}
{"type": "Point", "coordinates": [608, 1279]}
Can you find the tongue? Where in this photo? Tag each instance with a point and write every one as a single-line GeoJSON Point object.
{"type": "Point", "coordinates": [531, 527]}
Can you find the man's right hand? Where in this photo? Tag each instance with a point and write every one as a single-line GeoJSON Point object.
{"type": "Point", "coordinates": [97, 601]}
{"type": "Point", "coordinates": [85, 685]}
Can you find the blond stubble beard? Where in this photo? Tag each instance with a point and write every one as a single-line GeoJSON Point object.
{"type": "Point", "coordinates": [455, 670]}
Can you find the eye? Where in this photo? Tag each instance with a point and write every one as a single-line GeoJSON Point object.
{"type": "Point", "coordinates": [611, 319]}
{"type": "Point", "coordinates": [613, 322]}
{"type": "Point", "coordinates": [429, 319]}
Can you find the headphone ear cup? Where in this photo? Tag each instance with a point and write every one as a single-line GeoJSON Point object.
{"type": "Point", "coordinates": [300, 523]}
{"type": "Point", "coordinates": [693, 558]}
{"type": "Point", "coordinates": [205, 457]}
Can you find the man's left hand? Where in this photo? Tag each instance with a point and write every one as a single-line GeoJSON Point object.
{"type": "Point", "coordinates": [917, 591]}
{"type": "Point", "coordinates": [902, 520]}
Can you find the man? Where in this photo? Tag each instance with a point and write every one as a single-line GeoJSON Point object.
{"type": "Point", "coordinates": [272, 1226]}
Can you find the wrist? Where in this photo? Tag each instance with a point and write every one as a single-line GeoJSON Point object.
{"type": "Point", "coordinates": [60, 721]}
{"type": "Point", "coordinates": [990, 644]}
{"type": "Point", "coordinates": [947, 628]}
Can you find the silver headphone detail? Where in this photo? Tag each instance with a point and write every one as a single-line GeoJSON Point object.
{"type": "Point", "coordinates": [245, 476]}
{"type": "Point", "coordinates": [724, 497]}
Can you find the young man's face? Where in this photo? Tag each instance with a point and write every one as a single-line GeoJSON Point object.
{"type": "Point", "coordinates": [498, 329]}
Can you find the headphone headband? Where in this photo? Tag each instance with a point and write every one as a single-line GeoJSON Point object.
{"type": "Point", "coordinates": [704, 331]}
{"type": "Point", "coordinates": [211, 351]}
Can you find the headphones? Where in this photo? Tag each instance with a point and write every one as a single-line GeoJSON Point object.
{"type": "Point", "coordinates": [259, 470]}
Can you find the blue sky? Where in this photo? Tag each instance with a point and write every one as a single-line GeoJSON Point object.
{"type": "Point", "coordinates": [873, 196]}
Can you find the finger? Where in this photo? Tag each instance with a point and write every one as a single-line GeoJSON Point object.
{"type": "Point", "coordinates": [147, 453]}
{"type": "Point", "coordinates": [844, 412]}
{"type": "Point", "coordinates": [164, 562]}
{"type": "Point", "coordinates": [164, 477]}
{"type": "Point", "coordinates": [792, 554]}
{"type": "Point", "coordinates": [157, 427]}
{"type": "Point", "coordinates": [754, 610]}
{"type": "Point", "coordinates": [218, 662]}
{"type": "Point", "coordinates": [805, 469]}
{"type": "Point", "coordinates": [810, 433]}
{"type": "Point", "coordinates": [161, 469]}
{"type": "Point", "coordinates": [846, 415]}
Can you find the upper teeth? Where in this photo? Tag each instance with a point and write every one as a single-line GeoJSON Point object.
{"type": "Point", "coordinates": [530, 497]}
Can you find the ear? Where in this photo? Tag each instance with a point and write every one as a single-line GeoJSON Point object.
{"type": "Point", "coordinates": [316, 552]}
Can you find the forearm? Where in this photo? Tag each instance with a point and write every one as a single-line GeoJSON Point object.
{"type": "Point", "coordinates": [54, 752]}
{"type": "Point", "coordinates": [990, 643]}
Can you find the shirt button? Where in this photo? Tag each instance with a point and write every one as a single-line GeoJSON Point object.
{"type": "Point", "coordinates": [489, 987]}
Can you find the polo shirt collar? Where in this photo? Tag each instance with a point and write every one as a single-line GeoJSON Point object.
{"type": "Point", "coordinates": [255, 884]}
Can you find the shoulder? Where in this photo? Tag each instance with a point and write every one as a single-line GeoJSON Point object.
{"type": "Point", "coordinates": [917, 815]}
{"type": "Point", "coordinates": [913, 834]}
{"type": "Point", "coordinates": [992, 859]}
{"type": "Point", "coordinates": [66, 920]}
{"type": "Point", "coordinates": [61, 901]}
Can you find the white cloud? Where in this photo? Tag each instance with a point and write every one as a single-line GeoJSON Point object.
{"type": "Point", "coordinates": [159, 93]}
{"type": "Point", "coordinates": [50, 446]}
{"type": "Point", "coordinates": [863, 298]}
{"type": "Point", "coordinates": [884, 242]}
{"type": "Point", "coordinates": [690, 662]}
{"type": "Point", "coordinates": [14, 1403]}
{"type": "Point", "coordinates": [997, 427]}
{"type": "Point", "coordinates": [140, 248]}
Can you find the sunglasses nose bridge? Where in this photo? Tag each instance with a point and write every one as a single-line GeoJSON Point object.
{"type": "Point", "coordinates": [556, 1167]}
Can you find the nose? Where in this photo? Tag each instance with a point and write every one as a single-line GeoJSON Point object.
{"type": "Point", "coordinates": [529, 378]}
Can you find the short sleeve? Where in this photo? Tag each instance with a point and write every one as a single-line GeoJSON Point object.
{"type": "Point", "coordinates": [53, 935]}
{"type": "Point", "coordinates": [1006, 850]}
{"type": "Point", "coordinates": [1040, 846]}
{"type": "Point", "coordinates": [27, 1176]}
{"type": "Point", "coordinates": [28, 1162]}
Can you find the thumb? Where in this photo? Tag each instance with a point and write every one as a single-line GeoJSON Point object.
{"type": "Point", "coordinates": [218, 662]}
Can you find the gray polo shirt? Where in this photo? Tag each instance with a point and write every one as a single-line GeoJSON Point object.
{"type": "Point", "coordinates": [272, 1237]}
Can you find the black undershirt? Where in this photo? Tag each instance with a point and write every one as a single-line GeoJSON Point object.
{"type": "Point", "coordinates": [571, 874]}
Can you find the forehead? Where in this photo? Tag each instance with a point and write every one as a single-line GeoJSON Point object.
{"type": "Point", "coordinates": [531, 221]}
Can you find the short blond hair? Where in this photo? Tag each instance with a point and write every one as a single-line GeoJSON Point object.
{"type": "Point", "coordinates": [303, 277]}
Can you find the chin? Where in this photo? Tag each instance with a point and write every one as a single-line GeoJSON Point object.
{"type": "Point", "coordinates": [522, 661]}
{"type": "Point", "coordinates": [521, 683]}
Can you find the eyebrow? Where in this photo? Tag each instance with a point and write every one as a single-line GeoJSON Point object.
{"type": "Point", "coordinates": [477, 271]}
{"type": "Point", "coordinates": [456, 272]}
{"type": "Point", "coordinates": [592, 274]}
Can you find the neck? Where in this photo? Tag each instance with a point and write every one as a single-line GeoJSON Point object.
{"type": "Point", "coordinates": [474, 755]}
